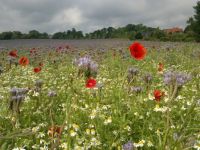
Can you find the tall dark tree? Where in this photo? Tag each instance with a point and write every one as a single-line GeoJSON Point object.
{"type": "Point", "coordinates": [194, 22]}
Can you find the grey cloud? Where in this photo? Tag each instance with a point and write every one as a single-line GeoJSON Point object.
{"type": "Point", "coordinates": [87, 15]}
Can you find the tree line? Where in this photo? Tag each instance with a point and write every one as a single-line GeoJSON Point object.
{"type": "Point", "coordinates": [193, 26]}
{"type": "Point", "coordinates": [33, 34]}
{"type": "Point", "coordinates": [130, 31]}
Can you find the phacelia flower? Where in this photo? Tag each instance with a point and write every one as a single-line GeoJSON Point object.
{"type": "Point", "coordinates": [148, 78]}
{"type": "Point", "coordinates": [128, 146]}
{"type": "Point", "coordinates": [182, 78]}
{"type": "Point", "coordinates": [136, 89]}
{"type": "Point", "coordinates": [38, 83]}
{"type": "Point", "coordinates": [18, 91]}
{"type": "Point", "coordinates": [171, 78]}
{"type": "Point", "coordinates": [87, 66]}
{"type": "Point", "coordinates": [131, 73]}
{"type": "Point", "coordinates": [17, 96]}
{"type": "Point", "coordinates": [52, 94]}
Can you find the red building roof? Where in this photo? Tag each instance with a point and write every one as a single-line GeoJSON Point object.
{"type": "Point", "coordinates": [173, 30]}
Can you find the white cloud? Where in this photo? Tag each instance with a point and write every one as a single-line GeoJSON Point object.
{"type": "Point", "coordinates": [71, 16]}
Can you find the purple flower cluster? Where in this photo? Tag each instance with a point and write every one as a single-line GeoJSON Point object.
{"type": "Point", "coordinates": [128, 146]}
{"type": "Point", "coordinates": [148, 78]}
{"type": "Point", "coordinates": [131, 73]}
{"type": "Point", "coordinates": [179, 78]}
{"type": "Point", "coordinates": [38, 85]}
{"type": "Point", "coordinates": [136, 89]}
{"type": "Point", "coordinates": [87, 66]}
{"type": "Point", "coordinates": [17, 95]}
{"type": "Point", "coordinates": [85, 63]}
{"type": "Point", "coordinates": [52, 94]}
{"type": "Point", "coordinates": [18, 91]}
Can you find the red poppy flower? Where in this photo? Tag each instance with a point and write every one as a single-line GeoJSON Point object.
{"type": "Point", "coordinates": [37, 69]}
{"type": "Point", "coordinates": [160, 67]}
{"type": "Point", "coordinates": [23, 61]}
{"type": "Point", "coordinates": [91, 83]}
{"type": "Point", "coordinates": [158, 95]}
{"type": "Point", "coordinates": [137, 51]}
{"type": "Point", "coordinates": [13, 53]}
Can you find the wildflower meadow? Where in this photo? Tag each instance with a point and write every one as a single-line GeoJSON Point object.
{"type": "Point", "coordinates": [127, 95]}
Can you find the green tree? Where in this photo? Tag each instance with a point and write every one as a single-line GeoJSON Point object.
{"type": "Point", "coordinates": [194, 22]}
{"type": "Point", "coordinates": [6, 35]}
{"type": "Point", "coordinates": [58, 35]}
{"type": "Point", "coordinates": [138, 35]}
{"type": "Point", "coordinates": [34, 34]}
{"type": "Point", "coordinates": [44, 35]}
{"type": "Point", "coordinates": [16, 35]}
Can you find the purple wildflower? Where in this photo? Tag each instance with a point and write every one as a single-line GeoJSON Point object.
{"type": "Point", "coordinates": [128, 146]}
{"type": "Point", "coordinates": [148, 78]}
{"type": "Point", "coordinates": [136, 89]}
{"type": "Point", "coordinates": [85, 62]}
{"type": "Point", "coordinates": [21, 91]}
{"type": "Point", "coordinates": [13, 91]}
{"type": "Point", "coordinates": [87, 65]}
{"type": "Point", "coordinates": [52, 94]}
{"type": "Point", "coordinates": [133, 71]}
{"type": "Point", "coordinates": [38, 83]}
{"type": "Point", "coordinates": [17, 96]}
{"type": "Point", "coordinates": [171, 77]}
{"type": "Point", "coordinates": [182, 78]}
{"type": "Point", "coordinates": [93, 66]}
{"type": "Point", "coordinates": [168, 77]}
{"type": "Point", "coordinates": [18, 91]}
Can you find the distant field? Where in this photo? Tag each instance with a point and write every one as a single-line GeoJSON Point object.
{"type": "Point", "coordinates": [54, 43]}
{"type": "Point", "coordinates": [98, 94]}
{"type": "Point", "coordinates": [114, 43]}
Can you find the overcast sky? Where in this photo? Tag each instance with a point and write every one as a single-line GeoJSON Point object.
{"type": "Point", "coordinates": [88, 15]}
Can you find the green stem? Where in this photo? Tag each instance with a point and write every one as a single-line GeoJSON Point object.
{"type": "Point", "coordinates": [172, 94]}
